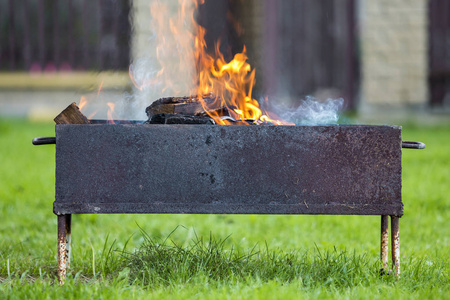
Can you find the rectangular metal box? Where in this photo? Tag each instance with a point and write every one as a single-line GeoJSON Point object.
{"type": "Point", "coordinates": [338, 169]}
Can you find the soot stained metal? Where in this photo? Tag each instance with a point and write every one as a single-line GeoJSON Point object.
{"type": "Point", "coordinates": [217, 169]}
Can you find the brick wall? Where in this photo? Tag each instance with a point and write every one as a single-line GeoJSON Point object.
{"type": "Point", "coordinates": [394, 52]}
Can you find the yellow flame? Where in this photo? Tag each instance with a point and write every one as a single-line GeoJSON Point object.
{"type": "Point", "coordinates": [110, 112]}
{"type": "Point", "coordinates": [83, 102]}
{"type": "Point", "coordinates": [231, 82]}
{"type": "Point", "coordinates": [99, 89]}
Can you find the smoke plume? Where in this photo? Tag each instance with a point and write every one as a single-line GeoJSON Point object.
{"type": "Point", "coordinates": [312, 111]}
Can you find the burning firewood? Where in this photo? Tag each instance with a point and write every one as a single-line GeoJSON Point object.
{"type": "Point", "coordinates": [71, 115]}
{"type": "Point", "coordinates": [179, 119]}
{"type": "Point", "coordinates": [189, 105]}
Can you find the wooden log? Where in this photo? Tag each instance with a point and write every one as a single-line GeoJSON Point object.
{"type": "Point", "coordinates": [71, 115]}
{"type": "Point", "coordinates": [179, 119]}
{"type": "Point", "coordinates": [186, 106]}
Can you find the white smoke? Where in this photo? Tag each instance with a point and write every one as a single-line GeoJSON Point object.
{"type": "Point", "coordinates": [164, 66]}
{"type": "Point", "coordinates": [164, 61]}
{"type": "Point", "coordinates": [312, 111]}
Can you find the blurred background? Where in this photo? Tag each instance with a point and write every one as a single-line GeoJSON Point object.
{"type": "Point", "coordinates": [389, 60]}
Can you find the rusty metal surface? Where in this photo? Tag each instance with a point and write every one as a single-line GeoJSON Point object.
{"type": "Point", "coordinates": [384, 249]}
{"type": "Point", "coordinates": [228, 169]}
{"type": "Point", "coordinates": [62, 258]}
{"type": "Point", "coordinates": [68, 229]}
{"type": "Point", "coordinates": [395, 240]}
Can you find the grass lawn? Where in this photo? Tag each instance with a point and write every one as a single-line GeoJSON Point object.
{"type": "Point", "coordinates": [219, 256]}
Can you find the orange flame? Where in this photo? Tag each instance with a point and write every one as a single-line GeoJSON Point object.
{"type": "Point", "coordinates": [110, 112]}
{"type": "Point", "coordinates": [99, 89]}
{"type": "Point", "coordinates": [231, 82]}
{"type": "Point", "coordinates": [180, 52]}
{"type": "Point", "coordinates": [83, 102]}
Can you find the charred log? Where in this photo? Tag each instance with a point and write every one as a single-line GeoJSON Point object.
{"type": "Point", "coordinates": [179, 119]}
{"type": "Point", "coordinates": [190, 105]}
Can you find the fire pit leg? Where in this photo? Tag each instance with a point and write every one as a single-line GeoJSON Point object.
{"type": "Point", "coordinates": [63, 246]}
{"type": "Point", "coordinates": [395, 239]}
{"type": "Point", "coordinates": [384, 249]}
{"type": "Point", "coordinates": [68, 239]}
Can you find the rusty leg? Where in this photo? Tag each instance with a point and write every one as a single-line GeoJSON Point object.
{"type": "Point", "coordinates": [68, 239]}
{"type": "Point", "coordinates": [395, 240]}
{"type": "Point", "coordinates": [61, 249]}
{"type": "Point", "coordinates": [384, 249]}
{"type": "Point", "coordinates": [63, 246]}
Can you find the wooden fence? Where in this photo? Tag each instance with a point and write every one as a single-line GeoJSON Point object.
{"type": "Point", "coordinates": [311, 47]}
{"type": "Point", "coordinates": [299, 47]}
{"type": "Point", "coordinates": [304, 46]}
{"type": "Point", "coordinates": [71, 34]}
{"type": "Point", "coordinates": [439, 52]}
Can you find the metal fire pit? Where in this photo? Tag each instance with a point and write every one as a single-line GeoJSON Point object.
{"type": "Point", "coordinates": [209, 169]}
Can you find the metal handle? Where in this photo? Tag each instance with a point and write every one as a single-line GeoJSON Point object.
{"type": "Point", "coordinates": [44, 140]}
{"type": "Point", "coordinates": [413, 145]}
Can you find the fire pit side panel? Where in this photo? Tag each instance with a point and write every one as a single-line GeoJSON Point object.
{"type": "Point", "coordinates": [228, 169]}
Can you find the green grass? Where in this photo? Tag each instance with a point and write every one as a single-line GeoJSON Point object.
{"type": "Point", "coordinates": [219, 256]}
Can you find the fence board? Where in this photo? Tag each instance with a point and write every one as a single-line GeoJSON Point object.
{"type": "Point", "coordinates": [439, 52]}
{"type": "Point", "coordinates": [307, 46]}
{"type": "Point", "coordinates": [61, 34]}
{"type": "Point", "coordinates": [314, 49]}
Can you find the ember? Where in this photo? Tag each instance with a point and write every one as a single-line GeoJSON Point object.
{"type": "Point", "coordinates": [193, 110]}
